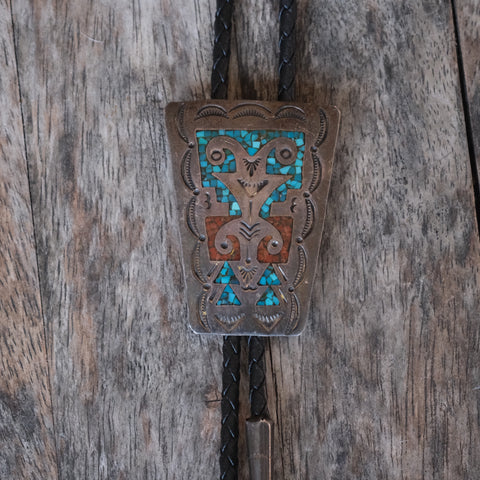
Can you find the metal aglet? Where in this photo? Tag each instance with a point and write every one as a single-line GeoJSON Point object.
{"type": "Point", "coordinates": [260, 448]}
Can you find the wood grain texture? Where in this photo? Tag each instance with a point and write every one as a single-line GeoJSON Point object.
{"type": "Point", "coordinates": [128, 402]}
{"type": "Point", "coordinates": [468, 15]}
{"type": "Point", "coordinates": [27, 448]}
{"type": "Point", "coordinates": [384, 382]}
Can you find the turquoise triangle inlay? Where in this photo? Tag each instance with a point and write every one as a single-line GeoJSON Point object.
{"type": "Point", "coordinates": [226, 275]}
{"type": "Point", "coordinates": [228, 297]}
{"type": "Point", "coordinates": [269, 298]}
{"type": "Point", "coordinates": [269, 277]}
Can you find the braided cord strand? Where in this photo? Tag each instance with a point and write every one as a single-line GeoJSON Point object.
{"type": "Point", "coordinates": [230, 407]}
{"type": "Point", "coordinates": [231, 345]}
{"type": "Point", "coordinates": [256, 371]}
{"type": "Point", "coordinates": [286, 66]}
{"type": "Point", "coordinates": [221, 48]}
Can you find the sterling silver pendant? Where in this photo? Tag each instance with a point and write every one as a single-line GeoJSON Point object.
{"type": "Point", "coordinates": [252, 182]}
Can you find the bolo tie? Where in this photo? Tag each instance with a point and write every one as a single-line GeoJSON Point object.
{"type": "Point", "coordinates": [252, 181]}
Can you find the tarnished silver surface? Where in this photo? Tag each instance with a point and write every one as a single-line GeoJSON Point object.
{"type": "Point", "coordinates": [260, 448]}
{"type": "Point", "coordinates": [252, 243]}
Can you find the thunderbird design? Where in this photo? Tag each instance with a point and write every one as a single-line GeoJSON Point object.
{"type": "Point", "coordinates": [252, 181]}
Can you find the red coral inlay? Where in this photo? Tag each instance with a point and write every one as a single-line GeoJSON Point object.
{"type": "Point", "coordinates": [213, 225]}
{"type": "Point", "coordinates": [284, 226]}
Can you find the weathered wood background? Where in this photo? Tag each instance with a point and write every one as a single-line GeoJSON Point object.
{"type": "Point", "coordinates": [100, 377]}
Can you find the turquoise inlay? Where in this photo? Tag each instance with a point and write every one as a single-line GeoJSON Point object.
{"type": "Point", "coordinates": [226, 275]}
{"type": "Point", "coordinates": [269, 298]}
{"type": "Point", "coordinates": [252, 141]}
{"type": "Point", "coordinates": [228, 297]}
{"type": "Point", "coordinates": [294, 170]}
{"type": "Point", "coordinates": [269, 277]}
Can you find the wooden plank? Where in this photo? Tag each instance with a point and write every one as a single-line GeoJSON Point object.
{"type": "Point", "coordinates": [26, 430]}
{"type": "Point", "coordinates": [468, 17]}
{"type": "Point", "coordinates": [383, 384]}
{"type": "Point", "coordinates": [134, 390]}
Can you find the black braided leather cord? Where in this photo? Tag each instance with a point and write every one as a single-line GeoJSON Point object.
{"type": "Point", "coordinates": [221, 48]}
{"type": "Point", "coordinates": [286, 67]}
{"type": "Point", "coordinates": [230, 404]}
{"type": "Point", "coordinates": [256, 371]}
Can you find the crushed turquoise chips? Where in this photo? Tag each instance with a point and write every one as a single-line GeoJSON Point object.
{"type": "Point", "coordinates": [252, 141]}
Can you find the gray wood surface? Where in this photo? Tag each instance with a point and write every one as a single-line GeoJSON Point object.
{"type": "Point", "coordinates": [385, 381]}
{"type": "Point", "coordinates": [27, 448]}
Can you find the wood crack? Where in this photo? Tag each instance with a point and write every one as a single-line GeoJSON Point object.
{"type": "Point", "coordinates": [467, 115]}
{"type": "Point", "coordinates": [35, 243]}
